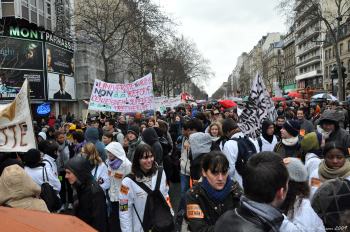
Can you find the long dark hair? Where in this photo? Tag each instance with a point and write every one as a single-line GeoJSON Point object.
{"type": "Point", "coordinates": [296, 192]}
{"type": "Point", "coordinates": [140, 152]}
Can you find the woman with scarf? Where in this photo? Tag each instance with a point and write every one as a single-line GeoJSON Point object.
{"type": "Point", "coordinates": [267, 141]}
{"type": "Point", "coordinates": [118, 167]}
{"type": "Point", "coordinates": [213, 196]}
{"type": "Point", "coordinates": [335, 164]}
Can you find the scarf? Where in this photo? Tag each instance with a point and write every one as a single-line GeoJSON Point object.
{"type": "Point", "coordinates": [326, 173]}
{"type": "Point", "coordinates": [291, 141]}
{"type": "Point", "coordinates": [115, 164]}
{"type": "Point", "coordinates": [267, 214]}
{"type": "Point", "coordinates": [217, 195]}
{"type": "Point", "coordinates": [268, 138]}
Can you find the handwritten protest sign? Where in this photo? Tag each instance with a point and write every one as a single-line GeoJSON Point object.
{"type": "Point", "coordinates": [16, 128]}
{"type": "Point", "coordinates": [161, 103]}
{"type": "Point", "coordinates": [132, 97]}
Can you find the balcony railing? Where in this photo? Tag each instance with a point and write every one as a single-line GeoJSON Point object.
{"type": "Point", "coordinates": [307, 35]}
{"type": "Point", "coordinates": [307, 48]}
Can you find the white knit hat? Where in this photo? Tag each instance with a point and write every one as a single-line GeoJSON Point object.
{"type": "Point", "coordinates": [296, 169]}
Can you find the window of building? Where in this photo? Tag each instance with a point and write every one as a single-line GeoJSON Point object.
{"type": "Point", "coordinates": [341, 48]}
{"type": "Point", "coordinates": [349, 66]}
{"type": "Point", "coordinates": [6, 0]}
{"type": "Point", "coordinates": [48, 6]}
{"type": "Point", "coordinates": [33, 2]}
{"type": "Point", "coordinates": [8, 9]}
{"type": "Point", "coordinates": [25, 12]}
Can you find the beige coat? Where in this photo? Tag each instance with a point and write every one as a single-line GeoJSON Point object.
{"type": "Point", "coordinates": [18, 190]}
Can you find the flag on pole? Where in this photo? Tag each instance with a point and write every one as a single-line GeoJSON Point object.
{"type": "Point", "coordinates": [16, 128]}
{"type": "Point", "coordinates": [258, 108]}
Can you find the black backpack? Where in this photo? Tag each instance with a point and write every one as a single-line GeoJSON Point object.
{"type": "Point", "coordinates": [166, 146]}
{"type": "Point", "coordinates": [246, 149]}
{"type": "Point", "coordinates": [49, 195]}
{"type": "Point", "coordinates": [157, 215]}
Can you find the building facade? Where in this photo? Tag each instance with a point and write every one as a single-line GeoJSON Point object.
{"type": "Point", "coordinates": [273, 65]}
{"type": "Point", "coordinates": [330, 60]}
{"type": "Point", "coordinates": [288, 82]}
{"type": "Point", "coordinates": [39, 12]}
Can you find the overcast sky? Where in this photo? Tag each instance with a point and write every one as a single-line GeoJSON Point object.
{"type": "Point", "coordinates": [223, 29]}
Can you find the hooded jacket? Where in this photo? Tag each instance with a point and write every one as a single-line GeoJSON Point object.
{"type": "Point", "coordinates": [18, 190]}
{"type": "Point", "coordinates": [92, 136]}
{"type": "Point", "coordinates": [339, 135]}
{"type": "Point", "coordinates": [150, 136]}
{"type": "Point", "coordinates": [116, 176]}
{"type": "Point", "coordinates": [90, 205]}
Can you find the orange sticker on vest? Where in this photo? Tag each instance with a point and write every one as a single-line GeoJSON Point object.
{"type": "Point", "coordinates": [124, 190]}
{"type": "Point", "coordinates": [118, 175]}
{"type": "Point", "coordinates": [302, 132]}
{"type": "Point", "coordinates": [194, 212]}
{"type": "Point", "coordinates": [315, 182]}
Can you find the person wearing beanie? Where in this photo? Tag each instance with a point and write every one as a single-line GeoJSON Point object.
{"type": "Point", "coordinates": [331, 203]}
{"type": "Point", "coordinates": [335, 164]}
{"type": "Point", "coordinates": [41, 136]}
{"type": "Point", "coordinates": [297, 206]}
{"type": "Point", "coordinates": [118, 167]}
{"type": "Point", "coordinates": [134, 139]}
{"type": "Point", "coordinates": [89, 198]}
{"type": "Point", "coordinates": [35, 168]}
{"type": "Point", "coordinates": [330, 129]}
{"type": "Point", "coordinates": [289, 146]}
{"type": "Point", "coordinates": [311, 151]}
{"type": "Point", "coordinates": [267, 140]}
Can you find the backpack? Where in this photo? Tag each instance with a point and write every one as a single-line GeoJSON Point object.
{"type": "Point", "coordinates": [49, 195]}
{"type": "Point", "coordinates": [246, 149]}
{"type": "Point", "coordinates": [166, 146]}
{"type": "Point", "coordinates": [157, 215]}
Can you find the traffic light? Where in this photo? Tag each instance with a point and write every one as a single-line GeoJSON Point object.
{"type": "Point", "coordinates": [334, 73]}
{"type": "Point", "coordinates": [343, 71]}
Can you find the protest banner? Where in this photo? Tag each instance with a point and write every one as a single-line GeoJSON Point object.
{"type": "Point", "coordinates": [258, 108]}
{"type": "Point", "coordinates": [114, 97]}
{"type": "Point", "coordinates": [16, 128]}
{"type": "Point", "coordinates": [161, 103]}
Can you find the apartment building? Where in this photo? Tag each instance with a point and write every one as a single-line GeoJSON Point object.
{"type": "Point", "coordinates": [308, 51]}
{"type": "Point", "coordinates": [288, 80]}
{"type": "Point", "coordinates": [273, 65]}
{"type": "Point", "coordinates": [39, 12]}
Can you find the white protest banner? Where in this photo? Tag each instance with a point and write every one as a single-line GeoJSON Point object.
{"type": "Point", "coordinates": [161, 103]}
{"type": "Point", "coordinates": [258, 108]}
{"type": "Point", "coordinates": [16, 128]}
{"type": "Point", "coordinates": [133, 97]}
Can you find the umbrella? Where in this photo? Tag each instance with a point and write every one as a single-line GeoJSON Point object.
{"type": "Point", "coordinates": [278, 99]}
{"type": "Point", "coordinates": [19, 220]}
{"type": "Point", "coordinates": [294, 94]}
{"type": "Point", "coordinates": [327, 96]}
{"type": "Point", "coordinates": [228, 103]}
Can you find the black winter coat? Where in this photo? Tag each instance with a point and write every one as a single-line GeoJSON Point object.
{"type": "Point", "coordinates": [202, 212]}
{"type": "Point", "coordinates": [92, 207]}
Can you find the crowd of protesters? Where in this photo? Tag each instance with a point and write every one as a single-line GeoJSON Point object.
{"type": "Point", "coordinates": [114, 171]}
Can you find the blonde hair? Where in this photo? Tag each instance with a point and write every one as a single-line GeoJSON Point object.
{"type": "Point", "coordinates": [220, 133]}
{"type": "Point", "coordinates": [92, 154]}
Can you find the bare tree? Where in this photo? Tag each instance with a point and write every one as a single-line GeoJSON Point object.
{"type": "Point", "coordinates": [104, 24]}
{"type": "Point", "coordinates": [331, 13]}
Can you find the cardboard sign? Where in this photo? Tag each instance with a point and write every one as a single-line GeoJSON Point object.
{"type": "Point", "coordinates": [133, 97]}
{"type": "Point", "coordinates": [16, 128]}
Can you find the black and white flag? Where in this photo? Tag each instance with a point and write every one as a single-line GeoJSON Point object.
{"type": "Point", "coordinates": [258, 108]}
